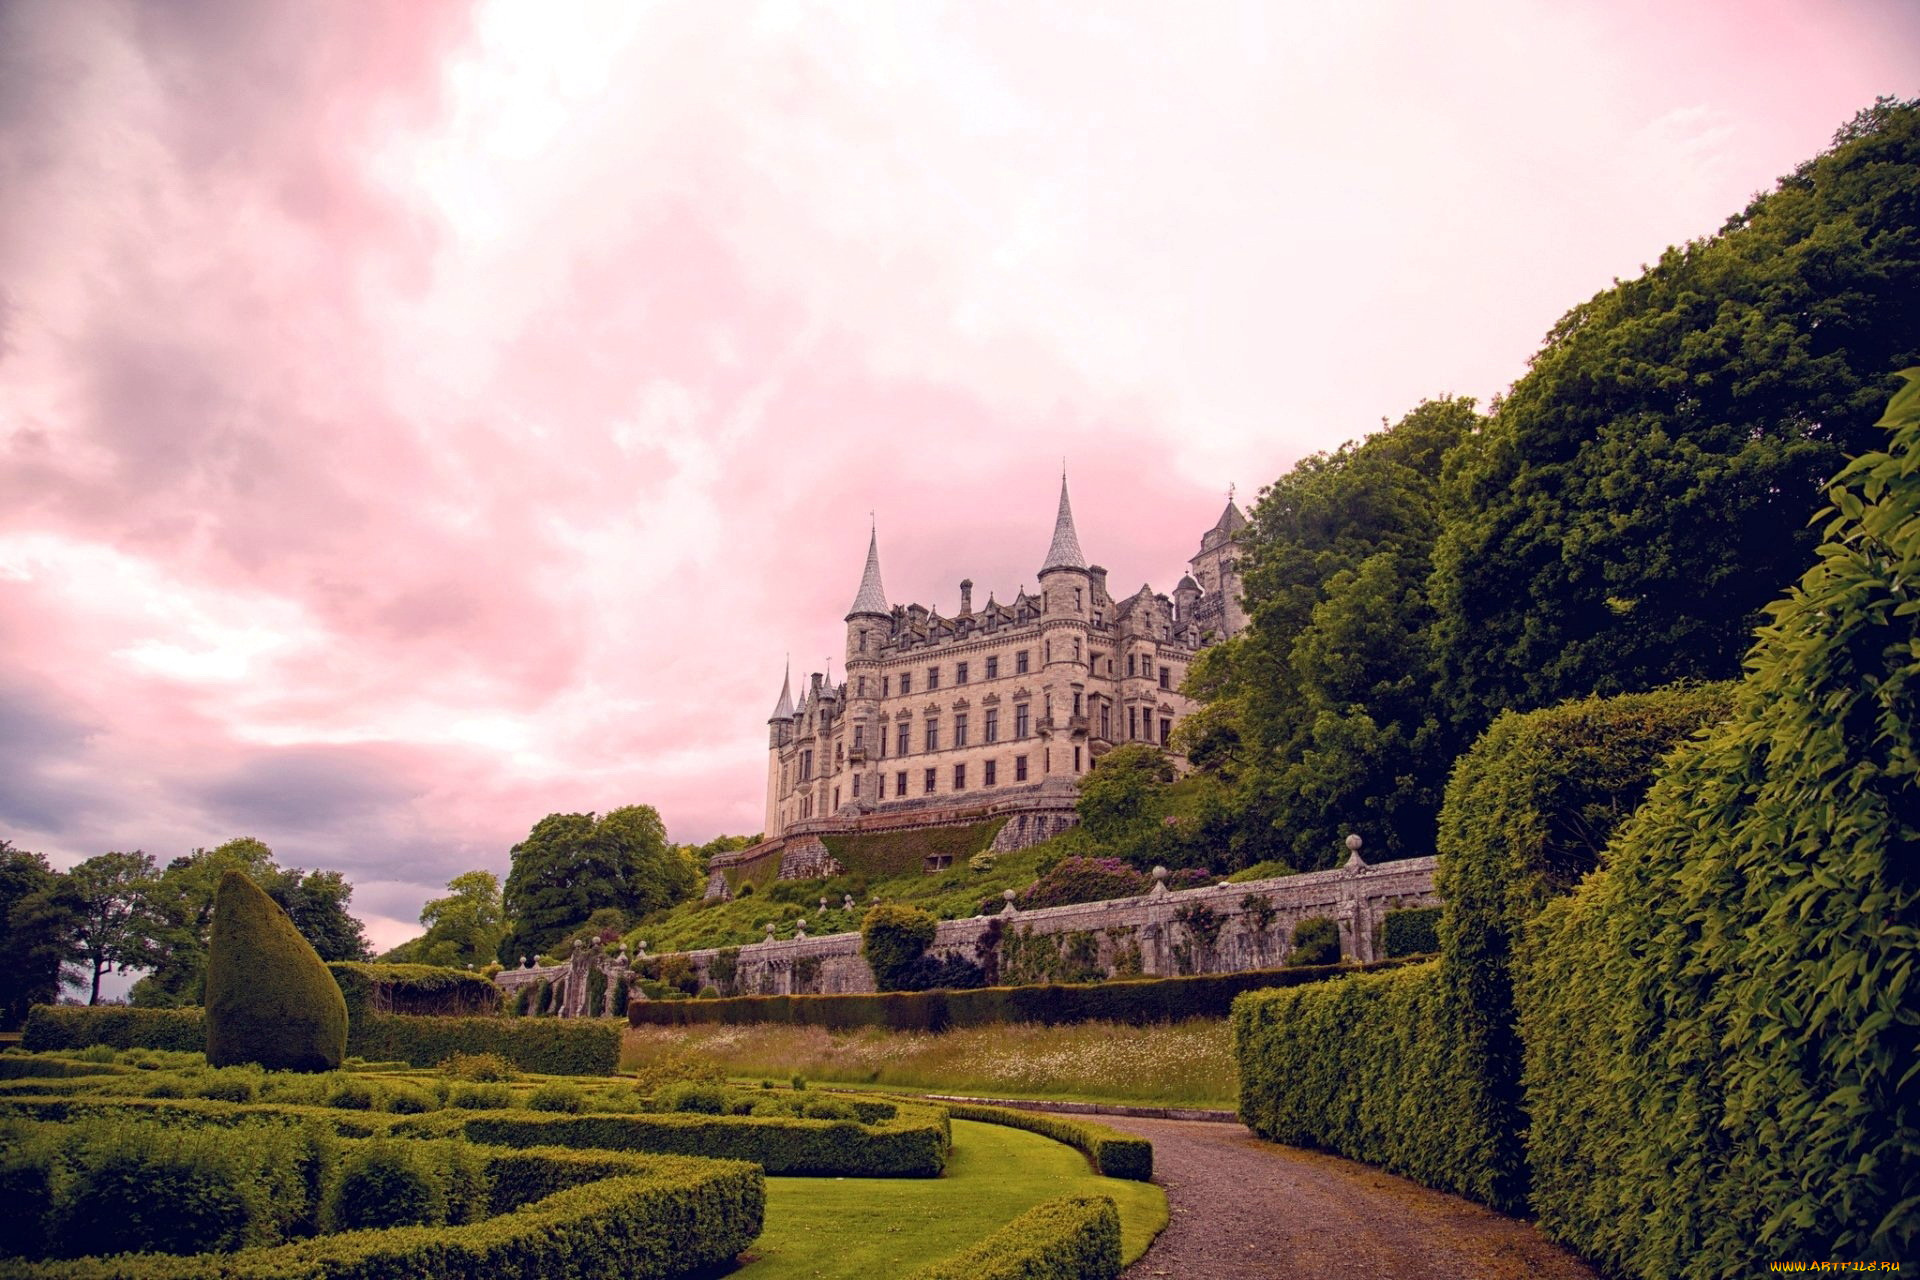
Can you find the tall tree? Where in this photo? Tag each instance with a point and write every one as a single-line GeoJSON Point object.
{"type": "Point", "coordinates": [572, 864]}
{"type": "Point", "coordinates": [116, 927]}
{"type": "Point", "coordinates": [35, 935]}
{"type": "Point", "coordinates": [464, 928]}
{"type": "Point", "coordinates": [1646, 488]}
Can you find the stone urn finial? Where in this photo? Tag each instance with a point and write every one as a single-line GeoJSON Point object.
{"type": "Point", "coordinates": [823, 904]}
{"type": "Point", "coordinates": [847, 902]}
{"type": "Point", "coordinates": [769, 928]}
{"type": "Point", "coordinates": [1009, 909]}
{"type": "Point", "coordinates": [640, 949]}
{"type": "Point", "coordinates": [1354, 860]}
{"type": "Point", "coordinates": [800, 928]}
{"type": "Point", "coordinates": [1159, 881]}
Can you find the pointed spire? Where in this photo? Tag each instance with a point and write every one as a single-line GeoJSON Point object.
{"type": "Point", "coordinates": [872, 597]}
{"type": "Point", "coordinates": [783, 709]}
{"type": "Point", "coordinates": [1065, 551]}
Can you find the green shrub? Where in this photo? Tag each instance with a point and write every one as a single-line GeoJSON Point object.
{"type": "Point", "coordinates": [386, 1184]}
{"type": "Point", "coordinates": [1316, 941]}
{"type": "Point", "coordinates": [671, 1218]}
{"type": "Point", "coordinates": [348, 1094]}
{"type": "Point", "coordinates": [688, 1096]}
{"type": "Point", "coordinates": [554, 1046]}
{"type": "Point", "coordinates": [1072, 1238]}
{"type": "Point", "coordinates": [1077, 879]}
{"type": "Point", "coordinates": [1719, 1026]}
{"type": "Point", "coordinates": [1413, 932]}
{"type": "Point", "coordinates": [1135, 1001]}
{"type": "Point", "coordinates": [22, 1066]}
{"type": "Point", "coordinates": [483, 1067]}
{"type": "Point", "coordinates": [892, 939]}
{"type": "Point", "coordinates": [491, 1096]}
{"type": "Point", "coordinates": [911, 1144]}
{"type": "Point", "coordinates": [555, 1096]}
{"type": "Point", "coordinates": [617, 1006]}
{"type": "Point", "coordinates": [29, 1166]}
{"type": "Point", "coordinates": [270, 998]}
{"type": "Point", "coordinates": [596, 992]}
{"type": "Point", "coordinates": [1112, 1154]}
{"type": "Point", "coordinates": [55, 1027]}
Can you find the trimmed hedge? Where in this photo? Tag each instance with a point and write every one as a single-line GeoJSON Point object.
{"type": "Point", "coordinates": [1359, 1067]}
{"type": "Point", "coordinates": [1413, 932]}
{"type": "Point", "coordinates": [270, 998]}
{"type": "Point", "coordinates": [881, 855]}
{"type": "Point", "coordinates": [1112, 1153]}
{"type": "Point", "coordinates": [547, 1046]}
{"type": "Point", "coordinates": [914, 1144]}
{"type": "Point", "coordinates": [1208, 995]}
{"type": "Point", "coordinates": [1720, 1028]}
{"type": "Point", "coordinates": [414, 989]}
{"type": "Point", "coordinates": [560, 1046]}
{"type": "Point", "coordinates": [1529, 806]}
{"type": "Point", "coordinates": [19, 1066]}
{"type": "Point", "coordinates": [682, 1217]}
{"type": "Point", "coordinates": [1072, 1238]}
{"type": "Point", "coordinates": [68, 1026]}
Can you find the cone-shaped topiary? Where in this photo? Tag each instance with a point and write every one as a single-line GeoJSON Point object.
{"type": "Point", "coordinates": [270, 998]}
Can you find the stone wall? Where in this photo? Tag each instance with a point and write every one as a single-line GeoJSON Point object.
{"type": "Point", "coordinates": [569, 980]}
{"type": "Point", "coordinates": [1218, 929]}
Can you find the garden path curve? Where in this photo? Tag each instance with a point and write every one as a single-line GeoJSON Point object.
{"type": "Point", "coordinates": [1240, 1207]}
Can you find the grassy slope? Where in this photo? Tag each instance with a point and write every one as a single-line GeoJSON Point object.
{"type": "Point", "coordinates": [860, 1227]}
{"type": "Point", "coordinates": [1186, 1064]}
{"type": "Point", "coordinates": [952, 894]}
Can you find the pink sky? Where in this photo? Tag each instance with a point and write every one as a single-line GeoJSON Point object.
{"type": "Point", "coordinates": [418, 418]}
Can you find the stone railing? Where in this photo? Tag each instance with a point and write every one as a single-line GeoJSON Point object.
{"type": "Point", "coordinates": [1223, 928]}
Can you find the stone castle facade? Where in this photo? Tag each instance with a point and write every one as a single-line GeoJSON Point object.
{"type": "Point", "coordinates": [955, 713]}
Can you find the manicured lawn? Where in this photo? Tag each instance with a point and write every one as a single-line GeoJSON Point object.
{"type": "Point", "coordinates": [862, 1227]}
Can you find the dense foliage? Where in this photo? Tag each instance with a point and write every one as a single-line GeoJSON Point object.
{"type": "Point", "coordinates": [1413, 932]}
{"type": "Point", "coordinates": [1718, 1025]}
{"type": "Point", "coordinates": [270, 998]}
{"type": "Point", "coordinates": [466, 927]}
{"type": "Point", "coordinates": [414, 989]}
{"type": "Point", "coordinates": [574, 864]}
{"type": "Point", "coordinates": [893, 939]}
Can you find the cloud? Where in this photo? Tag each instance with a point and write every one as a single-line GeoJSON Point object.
{"type": "Point", "coordinates": [416, 418]}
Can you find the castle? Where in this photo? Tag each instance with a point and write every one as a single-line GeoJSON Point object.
{"type": "Point", "coordinates": [985, 708]}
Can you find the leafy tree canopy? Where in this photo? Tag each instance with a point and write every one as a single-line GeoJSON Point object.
{"type": "Point", "coordinates": [464, 928]}
{"type": "Point", "coordinates": [572, 864]}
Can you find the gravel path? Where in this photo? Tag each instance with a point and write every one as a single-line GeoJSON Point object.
{"type": "Point", "coordinates": [1241, 1207]}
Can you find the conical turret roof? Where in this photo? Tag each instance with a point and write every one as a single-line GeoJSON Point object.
{"type": "Point", "coordinates": [783, 709]}
{"type": "Point", "coordinates": [1065, 551]}
{"type": "Point", "coordinates": [872, 597]}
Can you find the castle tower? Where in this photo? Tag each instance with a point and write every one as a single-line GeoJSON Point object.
{"type": "Point", "coordinates": [1217, 567]}
{"type": "Point", "coordinates": [779, 734]}
{"type": "Point", "coordinates": [1066, 595]}
{"type": "Point", "coordinates": [869, 624]}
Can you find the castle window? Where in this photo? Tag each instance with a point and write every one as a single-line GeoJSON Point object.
{"type": "Point", "coordinates": [906, 684]}
{"type": "Point", "coordinates": [959, 731]}
{"type": "Point", "coordinates": [993, 668]}
{"type": "Point", "coordinates": [930, 780]}
{"type": "Point", "coordinates": [993, 724]}
{"type": "Point", "coordinates": [863, 679]}
{"type": "Point", "coordinates": [856, 786]}
{"type": "Point", "coordinates": [783, 777]}
{"type": "Point", "coordinates": [836, 797]}
{"type": "Point", "coordinates": [959, 777]}
{"type": "Point", "coordinates": [1076, 599]}
{"type": "Point", "coordinates": [882, 779]}
{"type": "Point", "coordinates": [960, 673]}
{"type": "Point", "coordinates": [1019, 768]}
{"type": "Point", "coordinates": [1020, 663]}
{"type": "Point", "coordinates": [1076, 705]}
{"type": "Point", "coordinates": [1165, 674]}
{"type": "Point", "coordinates": [933, 677]}
{"type": "Point", "coordinates": [1076, 651]}
{"type": "Point", "coordinates": [989, 767]}
{"type": "Point", "coordinates": [1166, 730]}
{"type": "Point", "coordinates": [1133, 723]}
{"type": "Point", "coordinates": [901, 745]}
{"type": "Point", "coordinates": [1076, 759]}
{"type": "Point", "coordinates": [886, 686]}
{"type": "Point", "coordinates": [859, 736]}
{"type": "Point", "coordinates": [900, 784]}
{"type": "Point", "coordinates": [1020, 720]}
{"type": "Point", "coordinates": [933, 735]}
{"type": "Point", "coordinates": [1129, 664]}
{"type": "Point", "coordinates": [806, 766]}
{"type": "Point", "coordinates": [1106, 722]}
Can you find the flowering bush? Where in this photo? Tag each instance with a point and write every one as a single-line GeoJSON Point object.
{"type": "Point", "coordinates": [1082, 880]}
